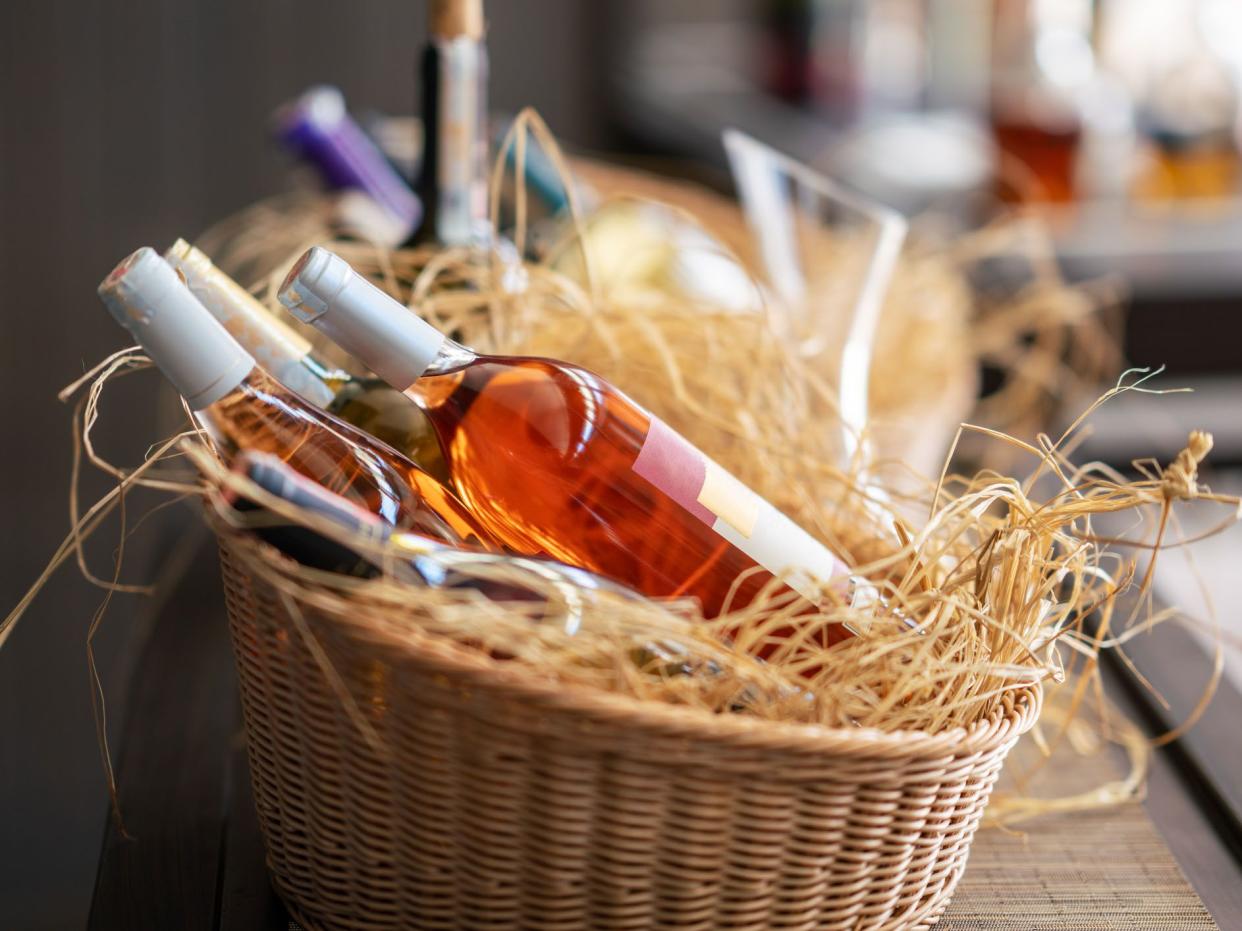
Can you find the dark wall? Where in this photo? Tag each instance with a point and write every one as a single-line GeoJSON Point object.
{"type": "Point", "coordinates": [124, 124]}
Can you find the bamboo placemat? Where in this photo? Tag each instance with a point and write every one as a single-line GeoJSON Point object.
{"type": "Point", "coordinates": [1104, 870]}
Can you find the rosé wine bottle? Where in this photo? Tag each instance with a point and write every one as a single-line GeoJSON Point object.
{"type": "Point", "coordinates": [554, 460]}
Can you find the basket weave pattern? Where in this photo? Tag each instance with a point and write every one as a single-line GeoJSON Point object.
{"type": "Point", "coordinates": [492, 798]}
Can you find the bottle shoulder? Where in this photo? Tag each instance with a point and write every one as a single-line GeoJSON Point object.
{"type": "Point", "coordinates": [561, 411]}
{"type": "Point", "coordinates": [263, 392]}
{"type": "Point", "coordinates": [392, 417]}
{"type": "Point", "coordinates": [548, 375]}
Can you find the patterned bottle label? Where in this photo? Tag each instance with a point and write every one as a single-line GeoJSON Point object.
{"type": "Point", "coordinates": [670, 463]}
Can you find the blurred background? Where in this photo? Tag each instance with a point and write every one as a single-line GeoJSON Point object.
{"type": "Point", "coordinates": [1117, 121]}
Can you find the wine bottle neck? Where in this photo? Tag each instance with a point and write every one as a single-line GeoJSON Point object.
{"type": "Point", "coordinates": [318, 127]}
{"type": "Point", "coordinates": [451, 357]}
{"type": "Point", "coordinates": [453, 179]}
{"type": "Point", "coordinates": [277, 347]}
{"type": "Point", "coordinates": [386, 336]}
{"type": "Point", "coordinates": [182, 338]}
{"type": "Point", "coordinates": [448, 19]}
{"type": "Point", "coordinates": [335, 378]}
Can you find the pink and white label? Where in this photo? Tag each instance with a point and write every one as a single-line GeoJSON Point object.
{"type": "Point", "coordinates": [715, 497]}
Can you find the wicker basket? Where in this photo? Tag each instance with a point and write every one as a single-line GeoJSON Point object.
{"type": "Point", "coordinates": [496, 799]}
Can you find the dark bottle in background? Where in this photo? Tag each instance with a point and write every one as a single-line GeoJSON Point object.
{"type": "Point", "coordinates": [452, 179]}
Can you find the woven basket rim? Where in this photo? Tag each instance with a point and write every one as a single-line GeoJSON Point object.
{"type": "Point", "coordinates": [1018, 711]}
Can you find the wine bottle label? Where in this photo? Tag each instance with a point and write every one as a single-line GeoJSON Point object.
{"type": "Point", "coordinates": [709, 492]}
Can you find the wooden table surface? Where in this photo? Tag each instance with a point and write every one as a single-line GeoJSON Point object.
{"type": "Point", "coordinates": [191, 856]}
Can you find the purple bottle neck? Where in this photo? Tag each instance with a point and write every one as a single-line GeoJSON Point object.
{"type": "Point", "coordinates": [318, 128]}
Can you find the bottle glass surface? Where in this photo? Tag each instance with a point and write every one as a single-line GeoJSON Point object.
{"type": "Point", "coordinates": [384, 412]}
{"type": "Point", "coordinates": [262, 416]}
{"type": "Point", "coordinates": [367, 403]}
{"type": "Point", "coordinates": [553, 459]}
{"type": "Point", "coordinates": [244, 408]}
{"type": "Point", "coordinates": [421, 559]}
{"type": "Point", "coordinates": [452, 180]}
